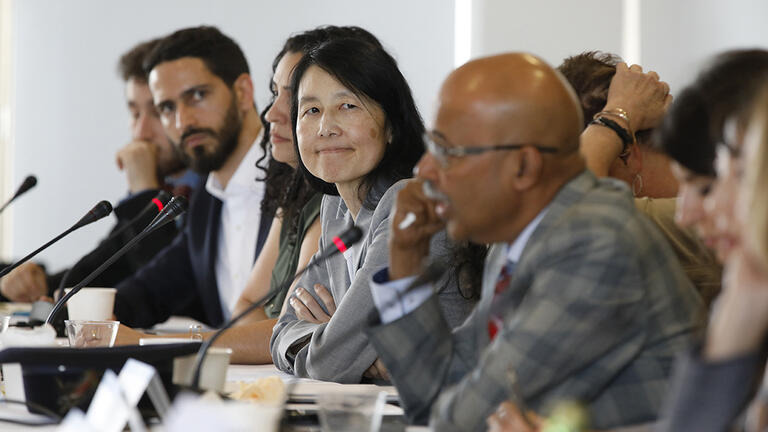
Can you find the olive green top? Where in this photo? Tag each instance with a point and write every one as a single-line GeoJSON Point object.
{"type": "Point", "coordinates": [291, 237]}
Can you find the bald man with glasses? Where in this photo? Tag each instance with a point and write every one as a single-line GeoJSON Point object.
{"type": "Point", "coordinates": [582, 297]}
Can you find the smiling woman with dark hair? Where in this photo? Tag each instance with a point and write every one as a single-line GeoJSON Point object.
{"type": "Point", "coordinates": [358, 132]}
{"type": "Point", "coordinates": [363, 81]}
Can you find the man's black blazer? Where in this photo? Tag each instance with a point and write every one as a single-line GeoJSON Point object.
{"type": "Point", "coordinates": [181, 279]}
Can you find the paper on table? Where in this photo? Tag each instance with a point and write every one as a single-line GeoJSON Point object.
{"type": "Point", "coordinates": [177, 324]}
{"type": "Point", "coordinates": [303, 390]}
{"type": "Point", "coordinates": [204, 413]}
{"type": "Point", "coordinates": [389, 410]}
{"type": "Point", "coordinates": [254, 372]}
{"type": "Point", "coordinates": [307, 391]}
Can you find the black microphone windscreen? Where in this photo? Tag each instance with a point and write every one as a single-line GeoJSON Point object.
{"type": "Point", "coordinates": [158, 202]}
{"type": "Point", "coordinates": [351, 236]}
{"type": "Point", "coordinates": [175, 207]}
{"type": "Point", "coordinates": [100, 210]}
{"type": "Point", "coordinates": [28, 184]}
{"type": "Point", "coordinates": [342, 242]}
{"type": "Point", "coordinates": [164, 197]}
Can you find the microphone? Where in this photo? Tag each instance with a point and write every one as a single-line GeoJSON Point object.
{"type": "Point", "coordinates": [28, 184]}
{"type": "Point", "coordinates": [340, 244]}
{"type": "Point", "coordinates": [175, 207]}
{"type": "Point", "coordinates": [155, 204]}
{"type": "Point", "coordinates": [102, 209]}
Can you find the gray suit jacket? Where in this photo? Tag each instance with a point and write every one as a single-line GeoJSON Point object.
{"type": "Point", "coordinates": [339, 350]}
{"type": "Point", "coordinates": [596, 309]}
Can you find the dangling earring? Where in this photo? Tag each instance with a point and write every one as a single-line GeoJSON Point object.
{"type": "Point", "coordinates": [637, 185]}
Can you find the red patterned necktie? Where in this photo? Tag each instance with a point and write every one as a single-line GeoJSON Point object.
{"type": "Point", "coordinates": [494, 321]}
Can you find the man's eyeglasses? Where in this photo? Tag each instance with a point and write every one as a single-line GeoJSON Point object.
{"type": "Point", "coordinates": [444, 154]}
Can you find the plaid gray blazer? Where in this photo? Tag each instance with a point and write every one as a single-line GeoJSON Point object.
{"type": "Point", "coordinates": [596, 310]}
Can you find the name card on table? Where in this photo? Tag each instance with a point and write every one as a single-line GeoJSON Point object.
{"type": "Point", "coordinates": [115, 403]}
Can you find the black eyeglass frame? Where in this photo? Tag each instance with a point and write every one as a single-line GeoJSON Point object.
{"type": "Point", "coordinates": [441, 152]}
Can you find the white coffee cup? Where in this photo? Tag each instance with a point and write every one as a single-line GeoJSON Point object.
{"type": "Point", "coordinates": [94, 304]}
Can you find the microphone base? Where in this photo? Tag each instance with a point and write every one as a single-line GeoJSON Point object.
{"type": "Point", "coordinates": [40, 311]}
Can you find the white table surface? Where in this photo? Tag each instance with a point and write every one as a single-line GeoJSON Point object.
{"type": "Point", "coordinates": [235, 373]}
{"type": "Point", "coordinates": [300, 388]}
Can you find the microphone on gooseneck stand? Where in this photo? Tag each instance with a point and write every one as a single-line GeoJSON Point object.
{"type": "Point", "coordinates": [157, 204]}
{"type": "Point", "coordinates": [341, 243]}
{"type": "Point", "coordinates": [28, 184]}
{"type": "Point", "coordinates": [99, 211]}
{"type": "Point", "coordinates": [173, 209]}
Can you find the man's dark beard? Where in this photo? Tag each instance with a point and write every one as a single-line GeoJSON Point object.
{"type": "Point", "coordinates": [227, 136]}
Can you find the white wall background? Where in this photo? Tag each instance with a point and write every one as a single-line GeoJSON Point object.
{"type": "Point", "coordinates": [551, 29]}
{"type": "Point", "coordinates": [6, 122]}
{"type": "Point", "coordinates": [69, 111]}
{"type": "Point", "coordinates": [674, 38]}
{"type": "Point", "coordinates": [679, 36]}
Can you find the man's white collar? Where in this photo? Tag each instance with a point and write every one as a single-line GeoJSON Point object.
{"type": "Point", "coordinates": [516, 248]}
{"type": "Point", "coordinates": [242, 180]}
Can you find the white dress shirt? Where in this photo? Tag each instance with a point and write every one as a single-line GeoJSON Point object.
{"type": "Point", "coordinates": [239, 227]}
{"type": "Point", "coordinates": [353, 252]}
{"type": "Point", "coordinates": [394, 303]}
